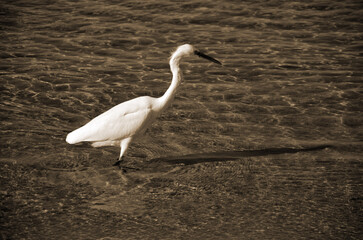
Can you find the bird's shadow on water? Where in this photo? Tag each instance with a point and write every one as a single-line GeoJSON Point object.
{"type": "Point", "coordinates": [232, 155]}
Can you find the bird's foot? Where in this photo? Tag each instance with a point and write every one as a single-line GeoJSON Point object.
{"type": "Point", "coordinates": [123, 168]}
{"type": "Point", "coordinates": [118, 163]}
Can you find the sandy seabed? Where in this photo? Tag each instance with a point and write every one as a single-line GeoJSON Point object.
{"type": "Point", "coordinates": [284, 193]}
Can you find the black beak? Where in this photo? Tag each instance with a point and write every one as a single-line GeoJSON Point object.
{"type": "Point", "coordinates": [200, 54]}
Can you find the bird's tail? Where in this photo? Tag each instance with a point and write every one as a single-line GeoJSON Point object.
{"type": "Point", "coordinates": [71, 138]}
{"type": "Point", "coordinates": [81, 134]}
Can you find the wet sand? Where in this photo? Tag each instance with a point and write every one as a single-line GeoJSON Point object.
{"type": "Point", "coordinates": [288, 193]}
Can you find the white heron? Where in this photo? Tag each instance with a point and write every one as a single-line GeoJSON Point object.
{"type": "Point", "coordinates": [121, 124]}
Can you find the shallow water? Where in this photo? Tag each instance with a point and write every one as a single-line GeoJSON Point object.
{"type": "Point", "coordinates": [290, 81]}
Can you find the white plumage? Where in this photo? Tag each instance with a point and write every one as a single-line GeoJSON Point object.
{"type": "Point", "coordinates": [120, 124]}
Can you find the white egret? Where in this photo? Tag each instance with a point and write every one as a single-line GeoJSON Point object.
{"type": "Point", "coordinates": [121, 124]}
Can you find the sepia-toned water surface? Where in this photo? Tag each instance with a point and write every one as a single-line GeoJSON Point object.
{"type": "Point", "coordinates": [267, 146]}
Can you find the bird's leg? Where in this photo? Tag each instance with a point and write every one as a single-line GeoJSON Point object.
{"type": "Point", "coordinates": [124, 145]}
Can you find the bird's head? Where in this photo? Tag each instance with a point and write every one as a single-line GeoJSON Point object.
{"type": "Point", "coordinates": [187, 50]}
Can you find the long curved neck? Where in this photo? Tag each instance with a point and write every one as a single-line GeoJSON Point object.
{"type": "Point", "coordinates": [168, 96]}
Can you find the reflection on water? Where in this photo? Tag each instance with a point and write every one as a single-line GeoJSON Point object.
{"type": "Point", "coordinates": [291, 79]}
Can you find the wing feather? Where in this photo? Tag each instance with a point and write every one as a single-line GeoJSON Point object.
{"type": "Point", "coordinates": [122, 121]}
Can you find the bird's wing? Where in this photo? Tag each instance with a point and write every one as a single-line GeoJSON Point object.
{"type": "Point", "coordinates": [124, 120]}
